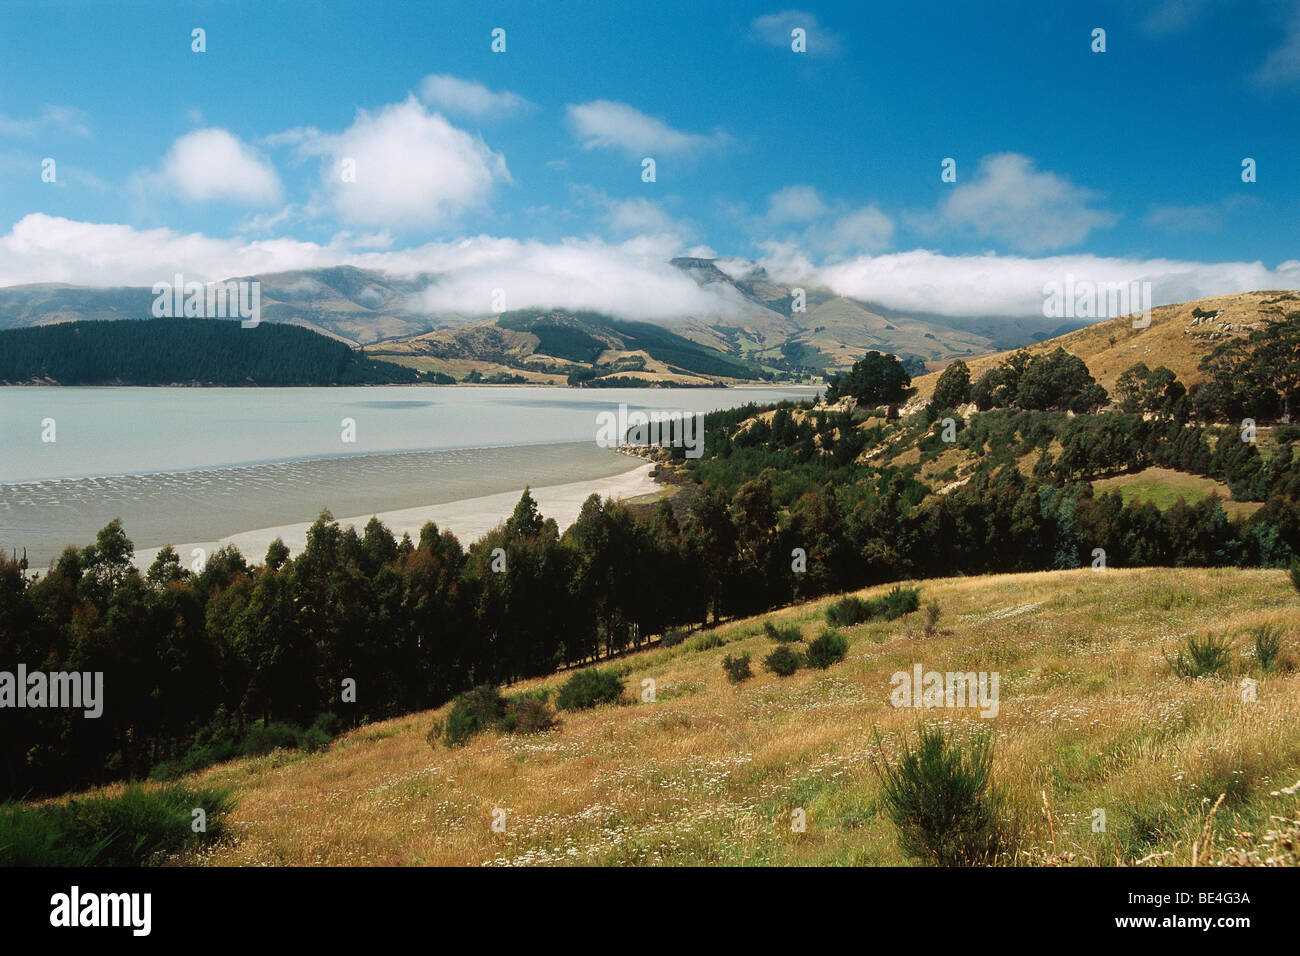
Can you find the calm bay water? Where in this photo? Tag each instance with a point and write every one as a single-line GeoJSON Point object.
{"type": "Point", "coordinates": [186, 463]}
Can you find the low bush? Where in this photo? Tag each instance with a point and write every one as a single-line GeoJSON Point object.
{"type": "Point", "coordinates": [830, 646]}
{"type": "Point", "coordinates": [473, 712]}
{"type": "Point", "coordinates": [673, 637]}
{"type": "Point", "coordinates": [854, 610]}
{"type": "Point", "coordinates": [782, 661]}
{"type": "Point", "coordinates": [589, 687]}
{"type": "Point", "coordinates": [528, 713]}
{"type": "Point", "coordinates": [137, 826]}
{"type": "Point", "coordinates": [221, 744]}
{"type": "Point", "coordinates": [782, 633]}
{"type": "Point", "coordinates": [262, 738]}
{"type": "Point", "coordinates": [485, 708]}
{"type": "Point", "coordinates": [707, 642]}
{"type": "Point", "coordinates": [940, 797]}
{"type": "Point", "coordinates": [1206, 656]}
{"type": "Point", "coordinates": [930, 619]}
{"type": "Point", "coordinates": [1268, 646]}
{"type": "Point", "coordinates": [737, 668]}
{"type": "Point", "coordinates": [847, 611]}
{"type": "Point", "coordinates": [896, 603]}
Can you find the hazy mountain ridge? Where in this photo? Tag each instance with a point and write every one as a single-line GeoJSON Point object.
{"type": "Point", "coordinates": [368, 307]}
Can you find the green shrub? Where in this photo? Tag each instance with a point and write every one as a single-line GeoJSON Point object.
{"type": "Point", "coordinates": [783, 633]}
{"type": "Point", "coordinates": [707, 642]}
{"type": "Point", "coordinates": [328, 723]}
{"type": "Point", "coordinates": [314, 740]}
{"type": "Point", "coordinates": [847, 611]}
{"type": "Point", "coordinates": [930, 619]}
{"type": "Point", "coordinates": [262, 738]}
{"type": "Point", "coordinates": [1295, 573]}
{"type": "Point", "coordinates": [195, 759]}
{"type": "Point", "coordinates": [737, 668]}
{"type": "Point", "coordinates": [214, 746]}
{"type": "Point", "coordinates": [826, 649]}
{"type": "Point", "coordinates": [528, 713]}
{"type": "Point", "coordinates": [131, 828]}
{"type": "Point", "coordinates": [673, 637]}
{"type": "Point", "coordinates": [436, 729]}
{"type": "Point", "coordinates": [940, 797]}
{"type": "Point", "coordinates": [1206, 656]}
{"type": "Point", "coordinates": [782, 661]}
{"type": "Point", "coordinates": [473, 712]}
{"type": "Point", "coordinates": [896, 603]}
{"type": "Point", "coordinates": [854, 610]}
{"type": "Point", "coordinates": [1268, 646]}
{"type": "Point", "coordinates": [587, 688]}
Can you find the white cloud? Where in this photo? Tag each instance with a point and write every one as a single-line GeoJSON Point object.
{"type": "Point", "coordinates": [412, 168]}
{"type": "Point", "coordinates": [607, 124]}
{"type": "Point", "coordinates": [862, 230]}
{"type": "Point", "coordinates": [42, 248]}
{"type": "Point", "coordinates": [1195, 217]}
{"type": "Point", "coordinates": [774, 29]}
{"type": "Point", "coordinates": [640, 216]}
{"type": "Point", "coordinates": [454, 95]}
{"type": "Point", "coordinates": [632, 279]}
{"type": "Point", "coordinates": [1283, 64]}
{"type": "Point", "coordinates": [213, 164]}
{"type": "Point", "coordinates": [1008, 199]}
{"type": "Point", "coordinates": [50, 121]}
{"type": "Point", "coordinates": [635, 216]}
{"type": "Point", "coordinates": [828, 230]}
{"type": "Point", "coordinates": [924, 281]}
{"type": "Point", "coordinates": [799, 203]}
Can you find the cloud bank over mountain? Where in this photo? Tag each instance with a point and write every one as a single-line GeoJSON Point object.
{"type": "Point", "coordinates": [630, 279]}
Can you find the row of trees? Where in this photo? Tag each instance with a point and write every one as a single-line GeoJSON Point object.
{"type": "Point", "coordinates": [1256, 376]}
{"type": "Point", "coordinates": [1056, 380]}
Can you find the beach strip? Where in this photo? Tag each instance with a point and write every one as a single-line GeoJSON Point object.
{"type": "Point", "coordinates": [468, 519]}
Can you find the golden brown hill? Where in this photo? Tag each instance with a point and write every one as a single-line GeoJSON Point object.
{"type": "Point", "coordinates": [709, 772]}
{"type": "Point", "coordinates": [1179, 337]}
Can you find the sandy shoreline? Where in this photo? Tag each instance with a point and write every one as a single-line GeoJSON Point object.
{"type": "Point", "coordinates": [469, 519]}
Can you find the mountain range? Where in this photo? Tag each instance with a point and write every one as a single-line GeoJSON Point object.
{"type": "Point", "coordinates": [763, 338]}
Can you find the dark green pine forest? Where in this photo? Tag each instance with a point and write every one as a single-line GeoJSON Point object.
{"type": "Point", "coordinates": [187, 351]}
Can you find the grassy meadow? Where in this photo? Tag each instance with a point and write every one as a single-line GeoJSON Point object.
{"type": "Point", "coordinates": [1164, 486]}
{"type": "Point", "coordinates": [710, 772]}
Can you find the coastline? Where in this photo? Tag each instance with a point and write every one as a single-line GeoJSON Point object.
{"type": "Point", "coordinates": [469, 518]}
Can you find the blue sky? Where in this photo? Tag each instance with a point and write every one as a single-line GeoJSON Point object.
{"type": "Point", "coordinates": [525, 167]}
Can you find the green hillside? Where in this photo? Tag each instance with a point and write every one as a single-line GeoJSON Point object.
{"type": "Point", "coordinates": [186, 351]}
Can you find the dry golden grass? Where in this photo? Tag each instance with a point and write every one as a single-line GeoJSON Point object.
{"type": "Point", "coordinates": [1174, 339]}
{"type": "Point", "coordinates": [710, 772]}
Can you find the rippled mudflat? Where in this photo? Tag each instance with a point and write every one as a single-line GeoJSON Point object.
{"type": "Point", "coordinates": [157, 509]}
{"type": "Point", "coordinates": [190, 464]}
